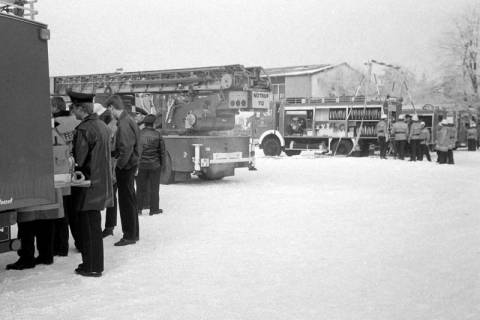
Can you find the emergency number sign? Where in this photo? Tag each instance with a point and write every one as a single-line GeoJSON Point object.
{"type": "Point", "coordinates": [261, 99]}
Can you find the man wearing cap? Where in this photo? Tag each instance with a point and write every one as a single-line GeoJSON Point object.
{"type": "Point", "coordinates": [91, 149]}
{"type": "Point", "coordinates": [414, 138]}
{"type": "Point", "coordinates": [151, 160]}
{"type": "Point", "coordinates": [381, 129]}
{"type": "Point", "coordinates": [127, 156]}
{"type": "Point", "coordinates": [400, 132]}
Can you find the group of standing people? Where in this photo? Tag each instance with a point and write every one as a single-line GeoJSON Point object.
{"type": "Point", "coordinates": [408, 134]}
{"type": "Point", "coordinates": [109, 150]}
{"type": "Point", "coordinates": [403, 136]}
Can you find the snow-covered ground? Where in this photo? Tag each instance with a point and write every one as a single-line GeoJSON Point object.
{"type": "Point", "coordinates": [301, 238]}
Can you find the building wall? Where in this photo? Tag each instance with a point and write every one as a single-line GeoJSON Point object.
{"type": "Point", "coordinates": [298, 86]}
{"type": "Point", "coordinates": [341, 80]}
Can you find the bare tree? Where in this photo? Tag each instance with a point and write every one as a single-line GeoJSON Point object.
{"type": "Point", "coordinates": [460, 53]}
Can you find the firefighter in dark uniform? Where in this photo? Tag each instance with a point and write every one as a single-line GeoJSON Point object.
{"type": "Point", "coordinates": [91, 149]}
{"type": "Point", "coordinates": [127, 154]}
{"type": "Point", "coordinates": [151, 160]}
{"type": "Point", "coordinates": [381, 129]}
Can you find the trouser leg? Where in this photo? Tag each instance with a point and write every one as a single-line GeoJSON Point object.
{"type": "Point", "coordinates": [127, 203]}
{"type": "Point", "coordinates": [44, 230]}
{"type": "Point", "coordinates": [421, 152]}
{"type": "Point", "coordinates": [413, 150]}
{"type": "Point", "coordinates": [472, 145]}
{"type": "Point", "coordinates": [154, 182]}
{"type": "Point", "coordinates": [450, 157]}
{"type": "Point", "coordinates": [111, 212]}
{"type": "Point", "coordinates": [142, 183]}
{"type": "Point", "coordinates": [61, 233]}
{"type": "Point", "coordinates": [26, 234]}
{"type": "Point", "coordinates": [73, 220]}
{"type": "Point", "coordinates": [92, 242]}
{"type": "Point", "coordinates": [401, 149]}
{"type": "Point", "coordinates": [442, 157]}
{"type": "Point", "coordinates": [383, 146]}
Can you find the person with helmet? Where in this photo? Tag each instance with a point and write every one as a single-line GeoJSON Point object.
{"type": "Point", "coordinates": [424, 139]}
{"type": "Point", "coordinates": [472, 135]}
{"type": "Point", "coordinates": [442, 142]}
{"type": "Point", "coordinates": [414, 138]}
{"type": "Point", "coordinates": [400, 132]}
{"type": "Point", "coordinates": [381, 129]}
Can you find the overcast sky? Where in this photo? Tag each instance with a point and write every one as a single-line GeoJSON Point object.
{"type": "Point", "coordinates": [90, 36]}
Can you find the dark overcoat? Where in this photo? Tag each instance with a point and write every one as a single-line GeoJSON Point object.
{"type": "Point", "coordinates": [91, 150]}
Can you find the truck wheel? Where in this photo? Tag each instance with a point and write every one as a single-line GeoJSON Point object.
{"type": "Point", "coordinates": [167, 175]}
{"type": "Point", "coordinates": [292, 152]}
{"type": "Point", "coordinates": [271, 146]}
{"type": "Point", "coordinates": [344, 147]}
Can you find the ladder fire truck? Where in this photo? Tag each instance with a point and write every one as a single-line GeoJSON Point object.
{"type": "Point", "coordinates": [196, 109]}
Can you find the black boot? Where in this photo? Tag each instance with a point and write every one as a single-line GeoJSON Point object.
{"type": "Point", "coordinates": [158, 211]}
{"type": "Point", "coordinates": [42, 260]}
{"type": "Point", "coordinates": [21, 264]}
{"type": "Point", "coordinates": [107, 232]}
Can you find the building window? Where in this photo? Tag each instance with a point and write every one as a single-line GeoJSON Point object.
{"type": "Point", "coordinates": [278, 91]}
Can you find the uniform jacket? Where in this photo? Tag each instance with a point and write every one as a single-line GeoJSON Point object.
{"type": "Point", "coordinates": [127, 142]}
{"type": "Point", "coordinates": [91, 149]}
{"type": "Point", "coordinates": [106, 116]}
{"type": "Point", "coordinates": [424, 136]}
{"type": "Point", "coordinates": [415, 130]}
{"type": "Point", "coordinates": [400, 130]}
{"type": "Point", "coordinates": [472, 134]}
{"type": "Point", "coordinates": [443, 139]}
{"type": "Point", "coordinates": [381, 128]}
{"type": "Point", "coordinates": [153, 149]}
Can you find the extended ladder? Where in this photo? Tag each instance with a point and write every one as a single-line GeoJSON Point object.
{"type": "Point", "coordinates": [217, 78]}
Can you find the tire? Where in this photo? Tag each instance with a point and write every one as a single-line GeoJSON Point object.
{"type": "Point", "coordinates": [344, 147]}
{"type": "Point", "coordinates": [271, 146]}
{"type": "Point", "coordinates": [292, 152]}
{"type": "Point", "coordinates": [167, 175]}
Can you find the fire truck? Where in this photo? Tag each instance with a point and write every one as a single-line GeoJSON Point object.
{"type": "Point", "coordinates": [340, 125]}
{"type": "Point", "coordinates": [28, 166]}
{"type": "Point", "coordinates": [196, 107]}
{"type": "Point", "coordinates": [343, 125]}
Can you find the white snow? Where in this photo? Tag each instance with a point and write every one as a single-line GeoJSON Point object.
{"type": "Point", "coordinates": [301, 238]}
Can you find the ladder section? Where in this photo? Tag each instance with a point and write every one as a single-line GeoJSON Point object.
{"type": "Point", "coordinates": [207, 79]}
{"type": "Point", "coordinates": [20, 8]}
